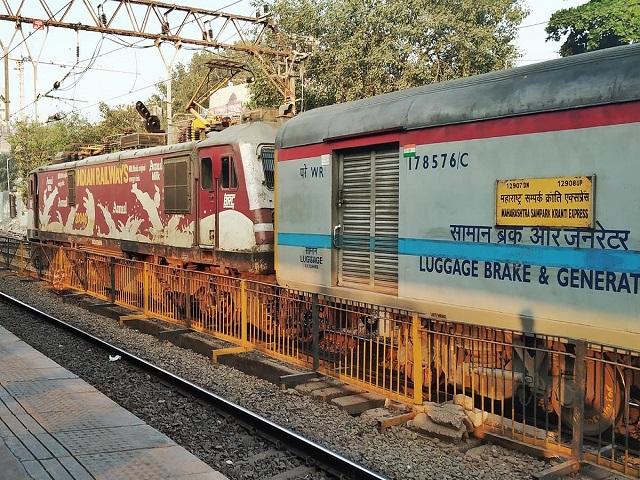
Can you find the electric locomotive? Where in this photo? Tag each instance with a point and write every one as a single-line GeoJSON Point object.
{"type": "Point", "coordinates": [206, 204]}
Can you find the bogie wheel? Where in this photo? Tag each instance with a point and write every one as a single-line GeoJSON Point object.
{"type": "Point", "coordinates": [603, 401]}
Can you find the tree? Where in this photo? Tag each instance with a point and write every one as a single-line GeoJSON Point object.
{"type": "Point", "coordinates": [595, 25]}
{"type": "Point", "coordinates": [13, 172]}
{"type": "Point", "coordinates": [370, 47]}
{"type": "Point", "coordinates": [33, 143]}
{"type": "Point", "coordinates": [118, 120]}
{"type": "Point", "coordinates": [187, 78]}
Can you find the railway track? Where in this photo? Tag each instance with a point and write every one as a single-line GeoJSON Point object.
{"type": "Point", "coordinates": [292, 455]}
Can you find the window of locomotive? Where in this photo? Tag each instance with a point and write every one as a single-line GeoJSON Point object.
{"type": "Point", "coordinates": [267, 157]}
{"type": "Point", "coordinates": [176, 185]}
{"type": "Point", "coordinates": [206, 174]}
{"type": "Point", "coordinates": [71, 188]}
{"type": "Point", "coordinates": [229, 179]}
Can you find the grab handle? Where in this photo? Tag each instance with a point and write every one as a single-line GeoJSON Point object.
{"type": "Point", "coordinates": [334, 239]}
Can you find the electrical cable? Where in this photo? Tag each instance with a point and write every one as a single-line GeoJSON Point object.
{"type": "Point", "coordinates": [155, 84]}
{"type": "Point", "coordinates": [94, 57]}
{"type": "Point", "coordinates": [531, 25]}
{"type": "Point", "coordinates": [34, 31]}
{"type": "Point", "coordinates": [71, 70]}
{"type": "Point", "coordinates": [135, 78]}
{"type": "Point", "coordinates": [66, 65]}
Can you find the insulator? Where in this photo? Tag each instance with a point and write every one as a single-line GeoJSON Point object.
{"type": "Point", "coordinates": [103, 19]}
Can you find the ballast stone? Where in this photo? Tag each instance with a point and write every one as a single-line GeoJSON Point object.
{"type": "Point", "coordinates": [375, 415]}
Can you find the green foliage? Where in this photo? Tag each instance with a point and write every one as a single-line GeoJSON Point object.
{"type": "Point", "coordinates": [595, 25]}
{"type": "Point", "coordinates": [187, 78]}
{"type": "Point", "coordinates": [13, 171]}
{"type": "Point", "coordinates": [118, 120]}
{"type": "Point", "coordinates": [263, 92]}
{"type": "Point", "coordinates": [33, 143]}
{"type": "Point", "coordinates": [370, 47]}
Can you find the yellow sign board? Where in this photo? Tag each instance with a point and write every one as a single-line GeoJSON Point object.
{"type": "Point", "coordinates": [545, 202]}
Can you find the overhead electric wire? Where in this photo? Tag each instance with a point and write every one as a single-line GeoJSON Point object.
{"type": "Point", "coordinates": [92, 62]}
{"type": "Point", "coordinates": [135, 45]}
{"type": "Point", "coordinates": [66, 65]}
{"type": "Point", "coordinates": [155, 84]}
{"type": "Point", "coordinates": [123, 44]}
{"type": "Point", "coordinates": [532, 25]}
{"type": "Point", "coordinates": [59, 82]}
{"type": "Point", "coordinates": [93, 58]}
{"type": "Point", "coordinates": [34, 31]}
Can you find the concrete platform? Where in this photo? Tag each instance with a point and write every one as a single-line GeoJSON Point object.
{"type": "Point", "coordinates": [53, 425]}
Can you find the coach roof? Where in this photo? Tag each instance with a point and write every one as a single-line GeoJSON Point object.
{"type": "Point", "coordinates": [606, 76]}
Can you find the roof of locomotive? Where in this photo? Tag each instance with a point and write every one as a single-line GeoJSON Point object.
{"type": "Point", "coordinates": [254, 132]}
{"type": "Point", "coordinates": [606, 76]}
{"type": "Point", "coordinates": [118, 156]}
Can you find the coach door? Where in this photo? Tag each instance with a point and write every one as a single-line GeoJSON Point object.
{"type": "Point", "coordinates": [207, 210]}
{"type": "Point", "coordinates": [33, 201]}
{"type": "Point", "coordinates": [367, 232]}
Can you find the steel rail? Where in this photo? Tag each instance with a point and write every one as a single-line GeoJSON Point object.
{"type": "Point", "coordinates": [312, 452]}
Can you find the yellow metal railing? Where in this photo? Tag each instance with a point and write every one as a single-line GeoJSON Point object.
{"type": "Point", "coordinates": [402, 355]}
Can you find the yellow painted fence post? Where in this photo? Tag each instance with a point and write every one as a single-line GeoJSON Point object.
{"type": "Point", "coordinates": [243, 312]}
{"type": "Point", "coordinates": [145, 288]}
{"type": "Point", "coordinates": [418, 374]}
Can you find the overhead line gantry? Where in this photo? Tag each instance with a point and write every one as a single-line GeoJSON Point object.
{"type": "Point", "coordinates": [177, 24]}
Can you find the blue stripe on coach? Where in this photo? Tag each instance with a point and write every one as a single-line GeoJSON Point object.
{"type": "Point", "coordinates": [593, 259]}
{"type": "Point", "coordinates": [309, 240]}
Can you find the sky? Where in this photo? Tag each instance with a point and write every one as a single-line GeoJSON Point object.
{"type": "Point", "coordinates": [129, 74]}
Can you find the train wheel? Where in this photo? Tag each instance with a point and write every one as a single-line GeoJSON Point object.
{"type": "Point", "coordinates": [603, 402]}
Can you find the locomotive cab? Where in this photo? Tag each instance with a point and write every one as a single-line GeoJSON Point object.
{"type": "Point", "coordinates": [234, 194]}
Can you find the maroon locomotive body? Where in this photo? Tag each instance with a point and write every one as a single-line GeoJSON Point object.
{"type": "Point", "coordinates": [207, 204]}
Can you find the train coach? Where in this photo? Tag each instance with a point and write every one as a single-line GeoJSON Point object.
{"type": "Point", "coordinates": [506, 200]}
{"type": "Point", "coordinates": [207, 204]}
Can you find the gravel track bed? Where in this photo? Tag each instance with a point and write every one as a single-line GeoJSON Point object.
{"type": "Point", "coordinates": [219, 441]}
{"type": "Point", "coordinates": [398, 453]}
